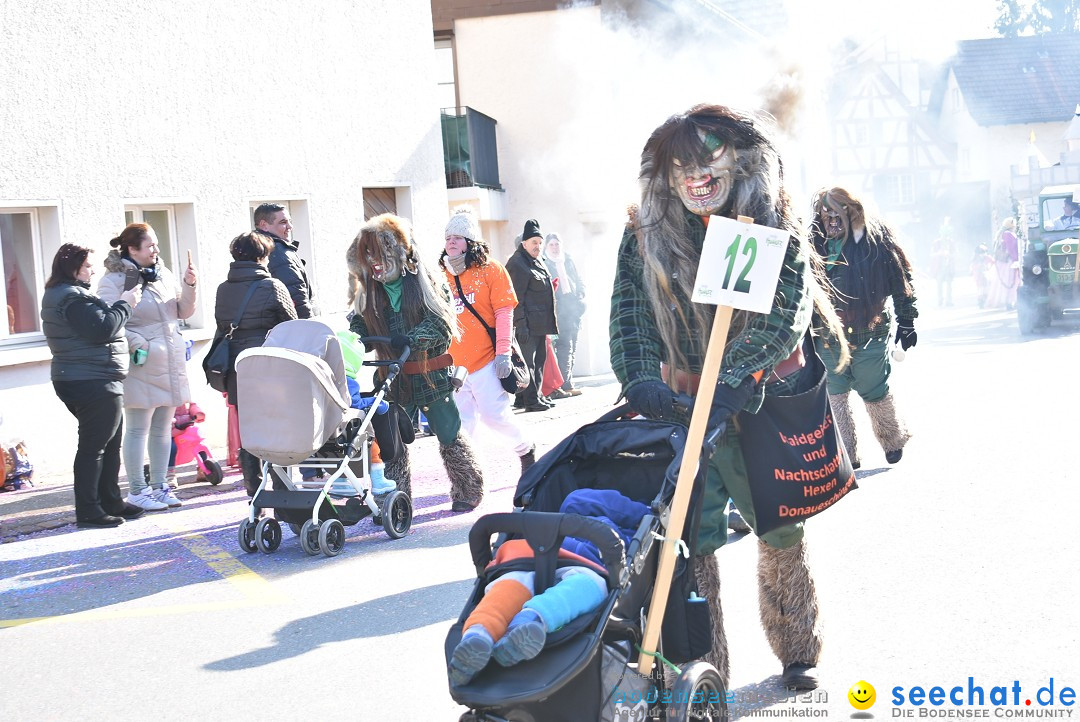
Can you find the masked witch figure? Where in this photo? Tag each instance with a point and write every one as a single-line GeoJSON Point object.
{"type": "Point", "coordinates": [394, 295]}
{"type": "Point", "coordinates": [866, 267]}
{"type": "Point", "coordinates": [713, 160]}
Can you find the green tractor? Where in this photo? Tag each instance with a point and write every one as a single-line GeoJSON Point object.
{"type": "Point", "coordinates": [1051, 284]}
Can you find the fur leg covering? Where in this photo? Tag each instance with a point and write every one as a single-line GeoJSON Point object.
{"type": "Point", "coordinates": [400, 470]}
{"type": "Point", "coordinates": [889, 430]}
{"type": "Point", "coordinates": [841, 409]}
{"type": "Point", "coordinates": [707, 574]}
{"type": "Point", "coordinates": [466, 479]}
{"type": "Point", "coordinates": [788, 604]}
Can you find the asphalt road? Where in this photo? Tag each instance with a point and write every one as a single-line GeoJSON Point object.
{"type": "Point", "coordinates": [961, 561]}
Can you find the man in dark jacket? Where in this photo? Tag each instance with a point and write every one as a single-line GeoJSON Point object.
{"type": "Point", "coordinates": [534, 316]}
{"type": "Point", "coordinates": [285, 262]}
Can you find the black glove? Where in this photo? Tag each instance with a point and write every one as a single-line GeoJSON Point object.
{"type": "Point", "coordinates": [399, 341]}
{"type": "Point", "coordinates": [653, 399]}
{"type": "Point", "coordinates": [728, 401]}
{"type": "Point", "coordinates": [905, 334]}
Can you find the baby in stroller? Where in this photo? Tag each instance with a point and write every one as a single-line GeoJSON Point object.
{"type": "Point", "coordinates": [510, 623]}
{"type": "Point", "coordinates": [299, 374]}
{"type": "Point", "coordinates": [587, 670]}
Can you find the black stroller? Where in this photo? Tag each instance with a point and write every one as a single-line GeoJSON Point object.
{"type": "Point", "coordinates": [587, 670]}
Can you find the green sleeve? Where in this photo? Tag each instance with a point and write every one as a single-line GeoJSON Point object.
{"type": "Point", "coordinates": [634, 340]}
{"type": "Point", "coordinates": [770, 338]}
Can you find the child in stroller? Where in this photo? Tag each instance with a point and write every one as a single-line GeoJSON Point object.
{"type": "Point", "coordinates": [587, 669]}
{"type": "Point", "coordinates": [298, 374]}
{"type": "Point", "coordinates": [510, 623]}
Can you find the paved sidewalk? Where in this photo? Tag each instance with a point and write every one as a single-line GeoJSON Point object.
{"type": "Point", "coordinates": [50, 503]}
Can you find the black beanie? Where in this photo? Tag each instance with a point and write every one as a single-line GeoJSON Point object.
{"type": "Point", "coordinates": [532, 229]}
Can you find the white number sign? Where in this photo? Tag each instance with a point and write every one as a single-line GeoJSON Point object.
{"type": "Point", "coordinates": [740, 265]}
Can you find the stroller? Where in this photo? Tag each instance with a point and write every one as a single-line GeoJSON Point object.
{"type": "Point", "coordinates": [587, 669]}
{"type": "Point", "coordinates": [295, 410]}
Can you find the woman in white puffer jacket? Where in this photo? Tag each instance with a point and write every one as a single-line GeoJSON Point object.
{"type": "Point", "coordinates": [157, 380]}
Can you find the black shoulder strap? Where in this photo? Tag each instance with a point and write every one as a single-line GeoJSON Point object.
{"type": "Point", "coordinates": [473, 311]}
{"type": "Point", "coordinates": [243, 307]}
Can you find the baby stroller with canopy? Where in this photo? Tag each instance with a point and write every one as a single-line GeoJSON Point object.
{"type": "Point", "coordinates": [295, 410]}
{"type": "Point", "coordinates": [587, 669]}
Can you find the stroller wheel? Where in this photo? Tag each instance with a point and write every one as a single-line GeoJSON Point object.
{"type": "Point", "coordinates": [397, 513]}
{"type": "Point", "coordinates": [331, 537]}
{"type": "Point", "coordinates": [268, 534]}
{"type": "Point", "coordinates": [245, 535]}
{"type": "Point", "coordinates": [295, 529]}
{"type": "Point", "coordinates": [213, 469]}
{"type": "Point", "coordinates": [699, 677]}
{"type": "Point", "coordinates": [309, 538]}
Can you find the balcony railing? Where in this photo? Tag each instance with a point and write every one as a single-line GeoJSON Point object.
{"type": "Point", "coordinates": [469, 153]}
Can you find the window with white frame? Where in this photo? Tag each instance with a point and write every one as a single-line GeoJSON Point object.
{"type": "Point", "coordinates": [21, 260]}
{"type": "Point", "coordinates": [162, 218]}
{"type": "Point", "coordinates": [860, 134]}
{"type": "Point", "coordinates": [446, 87]}
{"type": "Point", "coordinates": [899, 189]}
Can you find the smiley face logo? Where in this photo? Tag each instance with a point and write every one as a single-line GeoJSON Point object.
{"type": "Point", "coordinates": [862, 695]}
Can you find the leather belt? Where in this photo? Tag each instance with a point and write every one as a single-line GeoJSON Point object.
{"type": "Point", "coordinates": [431, 364]}
{"type": "Point", "coordinates": [685, 383]}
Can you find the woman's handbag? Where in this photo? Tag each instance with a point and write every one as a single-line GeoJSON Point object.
{"type": "Point", "coordinates": [518, 378]}
{"type": "Point", "coordinates": [216, 364]}
{"type": "Point", "coordinates": [795, 460]}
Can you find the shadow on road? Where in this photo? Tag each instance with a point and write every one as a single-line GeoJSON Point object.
{"type": "Point", "coordinates": [374, 618]}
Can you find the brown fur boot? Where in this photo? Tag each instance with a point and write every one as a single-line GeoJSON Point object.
{"type": "Point", "coordinates": [400, 470]}
{"type": "Point", "coordinates": [841, 409]}
{"type": "Point", "coordinates": [707, 574]}
{"type": "Point", "coordinates": [789, 612]}
{"type": "Point", "coordinates": [889, 430]}
{"type": "Point", "coordinates": [466, 479]}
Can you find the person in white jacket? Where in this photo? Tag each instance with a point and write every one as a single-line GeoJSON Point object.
{"type": "Point", "coordinates": [157, 380]}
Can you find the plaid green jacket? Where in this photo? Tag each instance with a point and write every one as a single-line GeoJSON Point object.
{"type": "Point", "coordinates": [636, 351]}
{"type": "Point", "coordinates": [428, 339]}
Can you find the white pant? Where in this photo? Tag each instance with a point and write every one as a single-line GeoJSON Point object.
{"type": "Point", "coordinates": [482, 398]}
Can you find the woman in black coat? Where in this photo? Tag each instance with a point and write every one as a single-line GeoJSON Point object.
{"type": "Point", "coordinates": [90, 361]}
{"type": "Point", "coordinates": [269, 305]}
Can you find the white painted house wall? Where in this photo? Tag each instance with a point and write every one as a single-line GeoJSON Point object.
{"type": "Point", "coordinates": [210, 107]}
{"type": "Point", "coordinates": [561, 160]}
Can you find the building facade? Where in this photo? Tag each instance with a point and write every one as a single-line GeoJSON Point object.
{"type": "Point", "coordinates": [186, 116]}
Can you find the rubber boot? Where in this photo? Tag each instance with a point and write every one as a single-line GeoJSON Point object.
{"type": "Point", "coordinates": [891, 433]}
{"type": "Point", "coordinates": [789, 612]}
{"type": "Point", "coordinates": [841, 409]}
{"type": "Point", "coordinates": [251, 468]}
{"type": "Point", "coordinates": [466, 479]}
{"type": "Point", "coordinates": [527, 459]}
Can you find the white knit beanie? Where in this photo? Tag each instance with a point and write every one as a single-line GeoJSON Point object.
{"type": "Point", "coordinates": [463, 223]}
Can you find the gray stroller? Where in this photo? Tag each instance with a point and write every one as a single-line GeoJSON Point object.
{"type": "Point", "coordinates": [295, 410]}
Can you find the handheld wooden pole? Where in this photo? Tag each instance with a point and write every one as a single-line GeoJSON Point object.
{"type": "Point", "coordinates": [680, 502]}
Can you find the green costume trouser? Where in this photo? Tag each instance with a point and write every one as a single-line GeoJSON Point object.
{"type": "Point", "coordinates": [443, 418]}
{"type": "Point", "coordinates": [868, 372]}
{"type": "Point", "coordinates": [727, 478]}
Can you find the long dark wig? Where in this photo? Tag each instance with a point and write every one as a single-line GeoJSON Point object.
{"type": "Point", "coordinates": [666, 234]}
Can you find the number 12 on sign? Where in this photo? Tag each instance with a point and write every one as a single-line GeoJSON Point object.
{"type": "Point", "coordinates": [740, 265]}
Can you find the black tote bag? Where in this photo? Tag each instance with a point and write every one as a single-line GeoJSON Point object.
{"type": "Point", "coordinates": [797, 464]}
